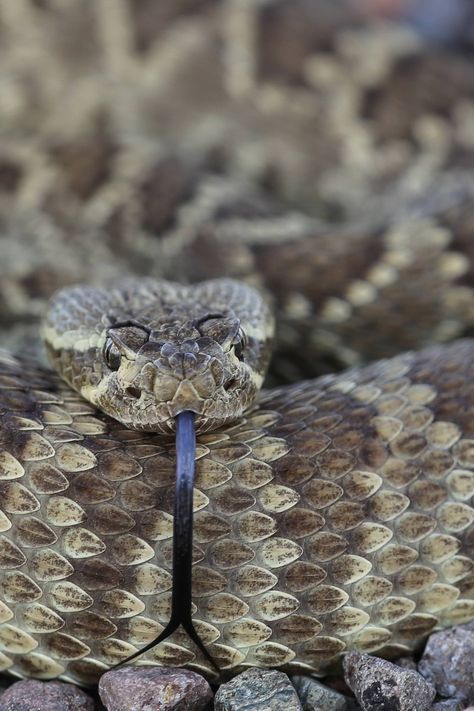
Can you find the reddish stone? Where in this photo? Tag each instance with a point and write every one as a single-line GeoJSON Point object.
{"type": "Point", "coordinates": [154, 689]}
{"type": "Point", "coordinates": [33, 695]}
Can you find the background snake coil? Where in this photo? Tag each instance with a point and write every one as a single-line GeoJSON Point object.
{"type": "Point", "coordinates": [332, 514]}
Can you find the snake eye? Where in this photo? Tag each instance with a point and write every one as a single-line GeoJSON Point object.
{"type": "Point", "coordinates": [112, 355]}
{"type": "Point", "coordinates": [239, 344]}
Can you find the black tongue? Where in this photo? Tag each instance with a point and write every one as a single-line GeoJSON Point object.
{"type": "Point", "coordinates": [183, 514]}
{"type": "Point", "coordinates": [181, 597]}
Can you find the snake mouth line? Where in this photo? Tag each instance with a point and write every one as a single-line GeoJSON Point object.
{"type": "Point", "coordinates": [181, 594]}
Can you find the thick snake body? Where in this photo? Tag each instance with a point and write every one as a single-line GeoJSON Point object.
{"type": "Point", "coordinates": [334, 515]}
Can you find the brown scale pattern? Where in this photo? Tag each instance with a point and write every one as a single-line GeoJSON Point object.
{"type": "Point", "coordinates": [409, 280]}
{"type": "Point", "coordinates": [320, 105]}
{"type": "Point", "coordinates": [336, 515]}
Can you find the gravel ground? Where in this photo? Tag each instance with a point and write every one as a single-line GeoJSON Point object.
{"type": "Point", "coordinates": [441, 680]}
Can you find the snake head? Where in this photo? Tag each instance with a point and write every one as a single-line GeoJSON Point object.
{"type": "Point", "coordinates": [150, 350]}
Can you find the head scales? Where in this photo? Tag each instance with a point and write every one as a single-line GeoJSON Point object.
{"type": "Point", "coordinates": [149, 350]}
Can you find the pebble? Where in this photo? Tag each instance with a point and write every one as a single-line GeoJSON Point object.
{"type": "Point", "coordinates": [448, 663]}
{"type": "Point", "coordinates": [448, 705]}
{"type": "Point", "coordinates": [314, 696]}
{"type": "Point", "coordinates": [257, 690]}
{"type": "Point", "coordinates": [379, 685]}
{"type": "Point", "coordinates": [33, 695]}
{"type": "Point", "coordinates": [154, 689]}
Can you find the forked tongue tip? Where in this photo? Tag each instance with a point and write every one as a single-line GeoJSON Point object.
{"type": "Point", "coordinates": [181, 607]}
{"type": "Point", "coordinates": [181, 596]}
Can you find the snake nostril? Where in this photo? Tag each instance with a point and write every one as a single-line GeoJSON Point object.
{"type": "Point", "coordinates": [230, 384]}
{"type": "Point", "coordinates": [133, 392]}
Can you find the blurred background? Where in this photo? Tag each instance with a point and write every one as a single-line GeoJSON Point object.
{"type": "Point", "coordinates": [335, 112]}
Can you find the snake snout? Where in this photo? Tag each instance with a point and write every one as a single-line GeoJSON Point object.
{"type": "Point", "coordinates": [188, 376]}
{"type": "Point", "coordinates": [186, 397]}
{"type": "Point", "coordinates": [188, 365]}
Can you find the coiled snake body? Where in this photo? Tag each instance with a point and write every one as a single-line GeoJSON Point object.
{"type": "Point", "coordinates": [333, 514]}
{"type": "Point", "coordinates": [330, 514]}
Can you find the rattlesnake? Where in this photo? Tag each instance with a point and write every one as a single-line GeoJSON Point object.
{"type": "Point", "coordinates": [335, 513]}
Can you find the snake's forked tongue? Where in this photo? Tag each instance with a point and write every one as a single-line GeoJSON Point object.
{"type": "Point", "coordinates": [181, 598]}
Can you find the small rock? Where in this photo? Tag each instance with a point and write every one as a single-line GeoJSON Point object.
{"type": "Point", "coordinates": [154, 689]}
{"type": "Point", "coordinates": [379, 685]}
{"type": "Point", "coordinates": [448, 662]}
{"type": "Point", "coordinates": [448, 705]}
{"type": "Point", "coordinates": [257, 690]}
{"type": "Point", "coordinates": [33, 695]}
{"type": "Point", "coordinates": [314, 696]}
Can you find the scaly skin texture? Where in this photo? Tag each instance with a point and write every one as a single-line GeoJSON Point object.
{"type": "Point", "coordinates": [137, 135]}
{"type": "Point", "coordinates": [336, 515]}
{"type": "Point", "coordinates": [361, 137]}
{"type": "Point", "coordinates": [204, 348]}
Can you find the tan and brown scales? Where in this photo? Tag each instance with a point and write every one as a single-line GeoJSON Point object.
{"type": "Point", "coordinates": [336, 515]}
